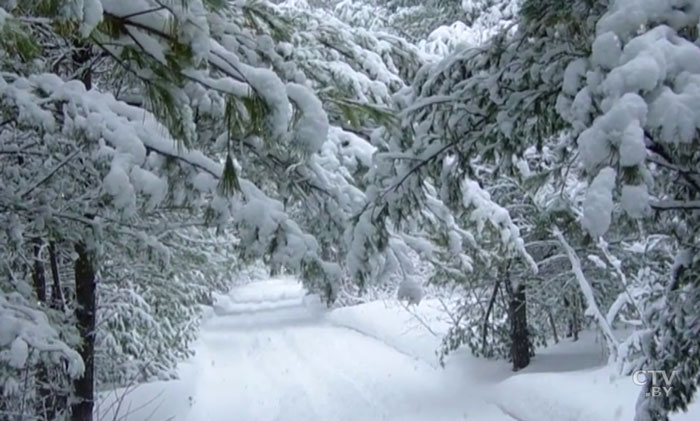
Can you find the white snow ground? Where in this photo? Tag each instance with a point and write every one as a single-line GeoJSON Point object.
{"type": "Point", "coordinates": [269, 353]}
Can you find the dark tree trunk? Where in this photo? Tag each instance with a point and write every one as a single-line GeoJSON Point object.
{"type": "Point", "coordinates": [43, 384]}
{"type": "Point", "coordinates": [81, 56]}
{"type": "Point", "coordinates": [519, 335]}
{"type": "Point", "coordinates": [86, 305]}
{"type": "Point", "coordinates": [39, 272]}
{"type": "Point", "coordinates": [575, 317]}
{"type": "Point", "coordinates": [567, 306]}
{"type": "Point", "coordinates": [574, 320]}
{"type": "Point", "coordinates": [485, 326]}
{"type": "Point", "coordinates": [54, 399]}
{"type": "Point", "coordinates": [85, 287]}
{"type": "Point", "coordinates": [57, 301]}
{"type": "Point", "coordinates": [554, 327]}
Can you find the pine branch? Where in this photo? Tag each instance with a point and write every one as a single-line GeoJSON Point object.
{"type": "Point", "coordinates": [589, 295]}
{"type": "Point", "coordinates": [142, 12]}
{"type": "Point", "coordinates": [664, 205]}
{"type": "Point", "coordinates": [50, 174]}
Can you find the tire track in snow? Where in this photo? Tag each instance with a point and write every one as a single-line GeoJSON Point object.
{"type": "Point", "coordinates": [280, 362]}
{"type": "Point", "coordinates": [402, 381]}
{"type": "Point", "coordinates": [508, 413]}
{"type": "Point", "coordinates": [297, 397]}
{"type": "Point", "coordinates": [231, 386]}
{"type": "Point", "coordinates": [327, 372]}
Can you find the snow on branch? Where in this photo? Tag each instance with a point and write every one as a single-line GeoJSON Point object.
{"type": "Point", "coordinates": [486, 210]}
{"type": "Point", "coordinates": [128, 135]}
{"type": "Point", "coordinates": [587, 291]}
{"type": "Point", "coordinates": [22, 328]}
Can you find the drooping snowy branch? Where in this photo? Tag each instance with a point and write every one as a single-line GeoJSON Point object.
{"type": "Point", "coordinates": [592, 308]}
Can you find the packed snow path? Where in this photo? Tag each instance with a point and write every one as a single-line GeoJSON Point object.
{"type": "Point", "coordinates": [268, 356]}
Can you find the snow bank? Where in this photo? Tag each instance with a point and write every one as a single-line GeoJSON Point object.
{"type": "Point", "coordinates": [574, 396]}
{"type": "Point", "coordinates": [260, 296]}
{"type": "Point", "coordinates": [569, 381]}
{"type": "Point", "coordinates": [224, 305]}
{"type": "Point", "coordinates": [159, 400]}
{"type": "Point", "coordinates": [391, 323]}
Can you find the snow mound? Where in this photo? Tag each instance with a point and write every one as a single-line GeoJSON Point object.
{"type": "Point", "coordinates": [314, 305]}
{"type": "Point", "coordinates": [158, 400]}
{"type": "Point", "coordinates": [268, 290]}
{"type": "Point", "coordinates": [571, 381]}
{"type": "Point", "coordinates": [260, 296]}
{"type": "Point", "coordinates": [391, 323]}
{"type": "Point", "coordinates": [574, 396]}
{"type": "Point", "coordinates": [224, 305]}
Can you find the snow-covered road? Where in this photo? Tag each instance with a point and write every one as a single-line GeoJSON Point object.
{"type": "Point", "coordinates": [267, 356]}
{"type": "Point", "coordinates": [270, 354]}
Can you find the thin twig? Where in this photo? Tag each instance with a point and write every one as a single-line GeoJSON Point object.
{"type": "Point", "coordinates": [50, 174]}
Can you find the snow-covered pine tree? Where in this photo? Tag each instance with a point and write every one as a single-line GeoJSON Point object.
{"type": "Point", "coordinates": [184, 124]}
{"type": "Point", "coordinates": [437, 27]}
{"type": "Point", "coordinates": [90, 172]}
{"type": "Point", "coordinates": [463, 121]}
{"type": "Point", "coordinates": [632, 103]}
